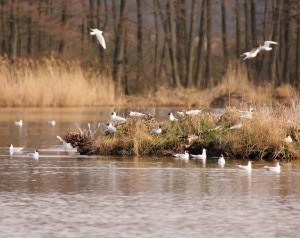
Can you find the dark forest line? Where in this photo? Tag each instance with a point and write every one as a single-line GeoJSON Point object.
{"type": "Point", "coordinates": [174, 43]}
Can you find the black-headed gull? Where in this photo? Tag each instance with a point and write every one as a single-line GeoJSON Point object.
{"type": "Point", "coordinates": [19, 123]}
{"type": "Point", "coordinates": [221, 160]}
{"type": "Point", "coordinates": [274, 169]}
{"type": "Point", "coordinates": [200, 156]}
{"type": "Point", "coordinates": [171, 117]}
{"type": "Point", "coordinates": [246, 167]}
{"type": "Point", "coordinates": [246, 114]}
{"type": "Point", "coordinates": [111, 128]}
{"type": "Point", "coordinates": [288, 139]}
{"type": "Point", "coordinates": [52, 122]}
{"type": "Point", "coordinates": [99, 35]}
{"type": "Point", "coordinates": [34, 155]}
{"type": "Point", "coordinates": [237, 126]}
{"type": "Point", "coordinates": [266, 46]}
{"type": "Point", "coordinates": [136, 114]}
{"type": "Point", "coordinates": [184, 156]}
{"type": "Point", "coordinates": [67, 146]}
{"type": "Point", "coordinates": [116, 118]}
{"type": "Point", "coordinates": [13, 149]}
{"type": "Point", "coordinates": [251, 54]}
{"type": "Point", "coordinates": [156, 131]}
{"type": "Point", "coordinates": [193, 112]}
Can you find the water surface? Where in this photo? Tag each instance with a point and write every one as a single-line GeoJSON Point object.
{"type": "Point", "coordinates": [62, 195]}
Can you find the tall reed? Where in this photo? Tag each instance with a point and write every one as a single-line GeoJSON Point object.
{"type": "Point", "coordinates": [52, 83]}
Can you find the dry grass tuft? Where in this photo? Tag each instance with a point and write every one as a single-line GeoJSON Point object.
{"type": "Point", "coordinates": [52, 83]}
{"type": "Point", "coordinates": [261, 137]}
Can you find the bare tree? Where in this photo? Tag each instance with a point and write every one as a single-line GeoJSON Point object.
{"type": "Point", "coordinates": [118, 62]}
{"type": "Point", "coordinates": [224, 36]}
{"type": "Point", "coordinates": [238, 28]}
{"type": "Point", "coordinates": [139, 53]}
{"type": "Point", "coordinates": [207, 77]}
{"type": "Point", "coordinates": [199, 54]}
{"type": "Point", "coordinates": [190, 48]}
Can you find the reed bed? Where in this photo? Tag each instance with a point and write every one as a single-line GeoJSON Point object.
{"type": "Point", "coordinates": [52, 83]}
{"type": "Point", "coordinates": [261, 137]}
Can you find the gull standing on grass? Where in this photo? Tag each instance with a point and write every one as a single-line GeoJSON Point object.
{"type": "Point", "coordinates": [200, 156]}
{"type": "Point", "coordinates": [99, 35]}
{"type": "Point", "coordinates": [193, 112]}
{"type": "Point", "coordinates": [266, 46]}
{"type": "Point", "coordinates": [246, 114]}
{"type": "Point", "coordinates": [156, 131]}
{"type": "Point", "coordinates": [111, 128]}
{"type": "Point", "coordinates": [116, 118]}
{"type": "Point", "coordinates": [246, 167]}
{"type": "Point", "coordinates": [171, 117]}
{"type": "Point", "coordinates": [274, 169]}
{"type": "Point", "coordinates": [184, 156]}
{"type": "Point", "coordinates": [136, 114]}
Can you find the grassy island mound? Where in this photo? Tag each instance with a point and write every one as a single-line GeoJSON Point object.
{"type": "Point", "coordinates": [260, 137]}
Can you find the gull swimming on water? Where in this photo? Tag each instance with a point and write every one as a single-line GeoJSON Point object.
{"type": "Point", "coordinates": [246, 167]}
{"type": "Point", "coordinates": [34, 155]}
{"type": "Point", "coordinates": [67, 146]}
{"type": "Point", "coordinates": [274, 169]}
{"type": "Point", "coordinates": [13, 149]}
{"type": "Point", "coordinates": [171, 117]}
{"type": "Point", "coordinates": [266, 46]}
{"type": "Point", "coordinates": [221, 160]}
{"type": "Point", "coordinates": [99, 36]}
{"type": "Point", "coordinates": [116, 118]}
{"type": "Point", "coordinates": [156, 131]}
{"type": "Point", "coordinates": [200, 156]}
{"type": "Point", "coordinates": [19, 123]}
{"type": "Point", "coordinates": [52, 122]}
{"type": "Point", "coordinates": [184, 156]}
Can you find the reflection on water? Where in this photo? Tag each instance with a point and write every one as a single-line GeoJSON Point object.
{"type": "Point", "coordinates": [64, 196]}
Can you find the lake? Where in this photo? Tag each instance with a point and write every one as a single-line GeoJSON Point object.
{"type": "Point", "coordinates": [61, 195]}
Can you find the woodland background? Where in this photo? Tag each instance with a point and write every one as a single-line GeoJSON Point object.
{"type": "Point", "coordinates": [153, 43]}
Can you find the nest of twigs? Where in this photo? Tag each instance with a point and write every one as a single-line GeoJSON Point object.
{"type": "Point", "coordinates": [83, 142]}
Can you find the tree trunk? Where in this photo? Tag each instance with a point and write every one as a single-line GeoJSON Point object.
{"type": "Point", "coordinates": [118, 62]}
{"type": "Point", "coordinates": [190, 47]}
{"type": "Point", "coordinates": [224, 36]}
{"type": "Point", "coordinates": [156, 42]}
{"type": "Point", "coordinates": [139, 62]}
{"type": "Point", "coordinates": [247, 24]}
{"type": "Point", "coordinates": [199, 54]}
{"type": "Point", "coordinates": [207, 82]}
{"type": "Point", "coordinates": [63, 21]}
{"type": "Point", "coordinates": [171, 44]}
{"type": "Point", "coordinates": [12, 31]}
{"type": "Point", "coordinates": [287, 43]}
{"type": "Point", "coordinates": [29, 28]}
{"type": "Point", "coordinates": [297, 69]}
{"type": "Point", "coordinates": [238, 28]}
{"type": "Point", "coordinates": [181, 36]}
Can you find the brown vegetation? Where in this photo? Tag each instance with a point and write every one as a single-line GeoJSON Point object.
{"type": "Point", "coordinates": [261, 137]}
{"type": "Point", "coordinates": [52, 83]}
